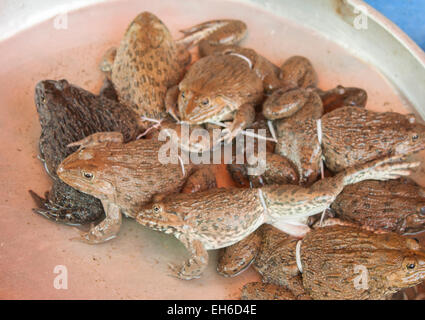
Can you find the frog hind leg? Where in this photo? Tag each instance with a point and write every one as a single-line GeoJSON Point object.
{"type": "Point", "coordinates": [108, 61]}
{"type": "Point", "coordinates": [196, 264]}
{"type": "Point", "coordinates": [74, 216]}
{"type": "Point", "coordinates": [213, 33]}
{"type": "Point", "coordinates": [105, 230]}
{"type": "Point", "coordinates": [382, 169]}
{"type": "Point", "coordinates": [283, 104]}
{"type": "Point", "coordinates": [244, 117]}
{"type": "Point", "coordinates": [237, 258]}
{"type": "Point", "coordinates": [202, 179]}
{"type": "Point", "coordinates": [325, 191]}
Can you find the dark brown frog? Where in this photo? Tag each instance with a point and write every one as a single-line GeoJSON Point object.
{"type": "Point", "coordinates": [67, 114]}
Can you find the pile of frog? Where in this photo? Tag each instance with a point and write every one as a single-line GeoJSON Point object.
{"type": "Point", "coordinates": [328, 217]}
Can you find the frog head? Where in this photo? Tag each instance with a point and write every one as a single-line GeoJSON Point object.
{"type": "Point", "coordinates": [413, 135]}
{"type": "Point", "coordinates": [148, 29]}
{"type": "Point", "coordinates": [50, 100]}
{"type": "Point", "coordinates": [162, 217]}
{"type": "Point", "coordinates": [415, 221]}
{"type": "Point", "coordinates": [408, 266]}
{"type": "Point", "coordinates": [197, 107]}
{"type": "Point", "coordinates": [85, 171]}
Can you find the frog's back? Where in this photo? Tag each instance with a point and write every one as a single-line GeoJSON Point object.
{"type": "Point", "coordinates": [333, 257]}
{"type": "Point", "coordinates": [226, 75]}
{"type": "Point", "coordinates": [353, 135]}
{"type": "Point", "coordinates": [146, 64]}
{"type": "Point", "coordinates": [220, 217]}
{"type": "Point", "coordinates": [138, 171]}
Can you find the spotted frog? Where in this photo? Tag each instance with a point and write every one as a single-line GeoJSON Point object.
{"type": "Point", "coordinates": [224, 86]}
{"type": "Point", "coordinates": [218, 218]}
{"type": "Point", "coordinates": [396, 205]}
{"type": "Point", "coordinates": [353, 135]}
{"type": "Point", "coordinates": [331, 261]}
{"type": "Point", "coordinates": [148, 60]}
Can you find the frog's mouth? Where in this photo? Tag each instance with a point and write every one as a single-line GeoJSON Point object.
{"type": "Point", "coordinates": [157, 224]}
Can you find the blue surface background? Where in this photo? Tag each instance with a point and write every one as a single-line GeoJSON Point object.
{"type": "Point", "coordinates": [409, 15]}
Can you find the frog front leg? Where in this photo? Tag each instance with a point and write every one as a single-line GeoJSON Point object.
{"type": "Point", "coordinates": [171, 98]}
{"type": "Point", "coordinates": [107, 229]}
{"type": "Point", "coordinates": [244, 117]}
{"type": "Point", "coordinates": [196, 264]}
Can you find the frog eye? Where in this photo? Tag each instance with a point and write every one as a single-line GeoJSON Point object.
{"type": "Point", "coordinates": [415, 137]}
{"type": "Point", "coordinates": [411, 266]}
{"type": "Point", "coordinates": [156, 208]}
{"type": "Point", "coordinates": [87, 175]}
{"type": "Point", "coordinates": [205, 102]}
{"type": "Point", "coordinates": [183, 95]}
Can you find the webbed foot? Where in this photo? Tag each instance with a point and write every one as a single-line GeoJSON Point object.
{"type": "Point", "coordinates": [195, 265]}
{"type": "Point", "coordinates": [182, 272]}
{"type": "Point", "coordinates": [105, 230]}
{"type": "Point", "coordinates": [381, 169]}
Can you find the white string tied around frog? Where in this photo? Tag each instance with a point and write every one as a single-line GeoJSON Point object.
{"type": "Point", "coordinates": [245, 58]}
{"type": "Point", "coordinates": [262, 200]}
{"type": "Point", "coordinates": [246, 133]}
{"type": "Point", "coordinates": [155, 126]}
{"type": "Point", "coordinates": [298, 256]}
{"type": "Point", "coordinates": [322, 166]}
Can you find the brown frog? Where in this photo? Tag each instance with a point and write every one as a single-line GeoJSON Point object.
{"type": "Point", "coordinates": [336, 262]}
{"type": "Point", "coordinates": [349, 136]}
{"type": "Point", "coordinates": [354, 135]}
{"type": "Point", "coordinates": [148, 60]}
{"type": "Point", "coordinates": [342, 97]}
{"type": "Point", "coordinates": [298, 78]}
{"type": "Point", "coordinates": [224, 86]}
{"type": "Point", "coordinates": [218, 218]}
{"type": "Point", "coordinates": [296, 136]}
{"type": "Point", "coordinates": [68, 113]}
{"type": "Point", "coordinates": [292, 111]}
{"type": "Point", "coordinates": [396, 205]}
{"type": "Point", "coordinates": [125, 176]}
